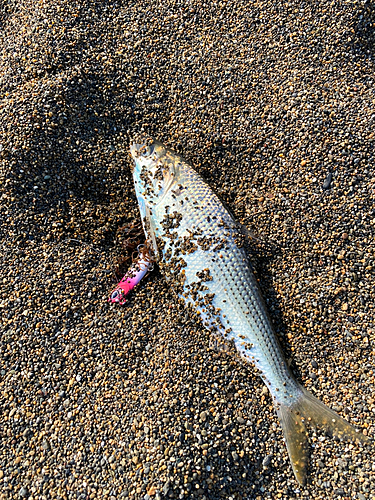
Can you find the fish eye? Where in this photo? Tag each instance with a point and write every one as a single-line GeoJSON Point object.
{"type": "Point", "coordinates": [114, 294]}
{"type": "Point", "coordinates": [144, 151]}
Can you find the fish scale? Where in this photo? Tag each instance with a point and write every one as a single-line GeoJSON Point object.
{"type": "Point", "coordinates": [244, 295]}
{"type": "Point", "coordinates": [181, 214]}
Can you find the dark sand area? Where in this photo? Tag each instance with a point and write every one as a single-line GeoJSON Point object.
{"type": "Point", "coordinates": [265, 99]}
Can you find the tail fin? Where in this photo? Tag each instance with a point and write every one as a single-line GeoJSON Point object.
{"type": "Point", "coordinates": [310, 409]}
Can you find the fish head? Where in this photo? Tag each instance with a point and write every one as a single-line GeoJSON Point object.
{"type": "Point", "coordinates": [155, 170]}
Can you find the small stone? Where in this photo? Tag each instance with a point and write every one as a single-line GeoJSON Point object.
{"type": "Point", "coordinates": [314, 364]}
{"type": "Point", "coordinates": [45, 444]}
{"type": "Point", "coordinates": [327, 182]}
{"type": "Point", "coordinates": [344, 236]}
{"type": "Point", "coordinates": [151, 491]}
{"type": "Point", "coordinates": [166, 488]}
{"type": "Point", "coordinates": [342, 462]}
{"type": "Point", "coordinates": [344, 307]}
{"type": "Point", "coordinates": [203, 416]}
{"type": "Point", "coordinates": [23, 492]}
{"type": "Point", "coordinates": [339, 492]}
{"type": "Point", "coordinates": [267, 460]}
{"type": "Point", "coordinates": [312, 375]}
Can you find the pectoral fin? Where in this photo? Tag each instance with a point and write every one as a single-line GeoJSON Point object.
{"type": "Point", "coordinates": [150, 232]}
{"type": "Point", "coordinates": [148, 225]}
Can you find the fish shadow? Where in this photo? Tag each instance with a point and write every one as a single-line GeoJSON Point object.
{"type": "Point", "coordinates": [262, 258]}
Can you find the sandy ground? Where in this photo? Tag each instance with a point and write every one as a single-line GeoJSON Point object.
{"type": "Point", "coordinates": [266, 99]}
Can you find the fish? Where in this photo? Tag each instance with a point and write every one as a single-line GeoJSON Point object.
{"type": "Point", "coordinates": [197, 244]}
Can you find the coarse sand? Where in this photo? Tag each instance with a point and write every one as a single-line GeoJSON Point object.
{"type": "Point", "coordinates": [274, 104]}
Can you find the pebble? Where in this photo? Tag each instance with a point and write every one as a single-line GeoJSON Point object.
{"type": "Point", "coordinates": [263, 98]}
{"type": "Point", "coordinates": [327, 182]}
{"type": "Point", "coordinates": [203, 416]}
{"type": "Point", "coordinates": [23, 492]}
{"type": "Point", "coordinates": [267, 460]}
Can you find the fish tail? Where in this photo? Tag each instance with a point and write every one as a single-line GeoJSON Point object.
{"type": "Point", "coordinates": [309, 408]}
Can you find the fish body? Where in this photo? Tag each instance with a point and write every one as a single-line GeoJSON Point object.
{"type": "Point", "coordinates": [198, 244]}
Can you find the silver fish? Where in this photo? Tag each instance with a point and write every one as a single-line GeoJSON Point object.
{"type": "Point", "coordinates": [196, 241]}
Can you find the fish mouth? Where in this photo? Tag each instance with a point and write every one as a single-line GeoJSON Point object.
{"type": "Point", "coordinates": [136, 147]}
{"type": "Point", "coordinates": [135, 150]}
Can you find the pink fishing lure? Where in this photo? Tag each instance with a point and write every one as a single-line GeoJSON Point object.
{"type": "Point", "coordinates": [134, 275]}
